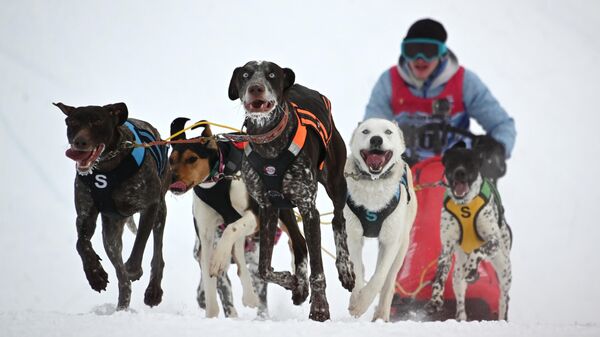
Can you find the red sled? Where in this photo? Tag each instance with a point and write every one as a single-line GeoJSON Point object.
{"type": "Point", "coordinates": [413, 283]}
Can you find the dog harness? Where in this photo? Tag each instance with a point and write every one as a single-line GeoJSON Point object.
{"type": "Point", "coordinates": [466, 215]}
{"type": "Point", "coordinates": [218, 196]}
{"type": "Point", "coordinates": [103, 183]}
{"type": "Point", "coordinates": [271, 170]}
{"type": "Point", "coordinates": [372, 221]}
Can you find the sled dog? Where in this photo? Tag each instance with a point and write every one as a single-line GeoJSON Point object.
{"type": "Point", "coordinates": [473, 228]}
{"type": "Point", "coordinates": [224, 217]}
{"type": "Point", "coordinates": [381, 204]}
{"type": "Point", "coordinates": [116, 182]}
{"type": "Point", "coordinates": [293, 145]}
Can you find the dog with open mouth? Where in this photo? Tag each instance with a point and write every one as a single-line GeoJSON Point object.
{"type": "Point", "coordinates": [381, 204]}
{"type": "Point", "coordinates": [117, 182]}
{"type": "Point", "coordinates": [211, 170]}
{"type": "Point", "coordinates": [293, 145]}
{"type": "Point", "coordinates": [473, 228]}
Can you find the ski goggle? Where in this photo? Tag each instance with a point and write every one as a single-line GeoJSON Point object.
{"type": "Point", "coordinates": [427, 49]}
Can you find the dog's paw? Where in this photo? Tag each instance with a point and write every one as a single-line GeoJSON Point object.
{"type": "Point", "coordinates": [153, 295]}
{"type": "Point", "coordinates": [461, 315]}
{"type": "Point", "coordinates": [97, 277]}
{"type": "Point", "coordinates": [434, 305]}
{"type": "Point", "coordinates": [219, 264]}
{"type": "Point", "coordinates": [134, 271]}
{"type": "Point", "coordinates": [472, 276]}
{"type": "Point", "coordinates": [361, 300]}
{"type": "Point", "coordinates": [250, 299]}
{"type": "Point", "coordinates": [319, 308]}
{"type": "Point", "coordinates": [345, 272]}
{"type": "Point", "coordinates": [300, 291]}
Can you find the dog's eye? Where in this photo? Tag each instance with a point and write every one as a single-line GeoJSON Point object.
{"type": "Point", "coordinates": [388, 132]}
{"type": "Point", "coordinates": [271, 75]}
{"type": "Point", "coordinates": [245, 75]}
{"type": "Point", "coordinates": [191, 160]}
{"type": "Point", "coordinates": [365, 132]}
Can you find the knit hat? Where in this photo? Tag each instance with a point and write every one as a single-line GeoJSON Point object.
{"type": "Point", "coordinates": [427, 29]}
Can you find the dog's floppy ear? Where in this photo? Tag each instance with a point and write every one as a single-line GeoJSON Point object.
{"type": "Point", "coordinates": [233, 84]}
{"type": "Point", "coordinates": [118, 110]}
{"type": "Point", "coordinates": [288, 78]}
{"type": "Point", "coordinates": [207, 131]}
{"type": "Point", "coordinates": [177, 125]}
{"type": "Point", "coordinates": [64, 108]}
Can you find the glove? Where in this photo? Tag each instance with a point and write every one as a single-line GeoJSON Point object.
{"type": "Point", "coordinates": [493, 156]}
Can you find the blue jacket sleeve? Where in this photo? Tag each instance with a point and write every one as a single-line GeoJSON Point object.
{"type": "Point", "coordinates": [379, 102]}
{"type": "Point", "coordinates": [481, 105]}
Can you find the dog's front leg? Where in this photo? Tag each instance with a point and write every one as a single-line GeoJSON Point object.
{"type": "Point", "coordinates": [489, 249]}
{"type": "Point", "coordinates": [268, 225]}
{"type": "Point", "coordinates": [232, 234]}
{"type": "Point", "coordinates": [319, 307]}
{"type": "Point", "coordinates": [337, 189]}
{"type": "Point", "coordinates": [86, 226]}
{"type": "Point", "coordinates": [249, 297]}
{"type": "Point", "coordinates": [360, 301]}
{"type": "Point", "coordinates": [147, 222]}
{"type": "Point", "coordinates": [154, 292]}
{"type": "Point", "coordinates": [207, 234]}
{"type": "Point", "coordinates": [112, 233]}
{"type": "Point", "coordinates": [449, 235]}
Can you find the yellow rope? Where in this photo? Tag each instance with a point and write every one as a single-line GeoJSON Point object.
{"type": "Point", "coordinates": [421, 285]}
{"type": "Point", "coordinates": [201, 123]}
{"type": "Point", "coordinates": [299, 220]}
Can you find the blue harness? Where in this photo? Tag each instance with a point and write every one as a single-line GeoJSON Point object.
{"type": "Point", "coordinates": [103, 183]}
{"type": "Point", "coordinates": [372, 221]}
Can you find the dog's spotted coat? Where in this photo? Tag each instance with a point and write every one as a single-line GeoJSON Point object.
{"type": "Point", "coordinates": [264, 89]}
{"type": "Point", "coordinates": [462, 166]}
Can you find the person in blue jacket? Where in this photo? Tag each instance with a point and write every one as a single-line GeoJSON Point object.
{"type": "Point", "coordinates": [429, 86]}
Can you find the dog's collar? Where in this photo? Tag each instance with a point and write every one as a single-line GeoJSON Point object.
{"type": "Point", "coordinates": [361, 174]}
{"type": "Point", "coordinates": [217, 172]}
{"type": "Point", "coordinates": [264, 137]}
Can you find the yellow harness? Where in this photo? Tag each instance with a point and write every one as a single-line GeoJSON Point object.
{"type": "Point", "coordinates": [466, 216]}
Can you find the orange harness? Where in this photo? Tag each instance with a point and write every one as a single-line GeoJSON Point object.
{"type": "Point", "coordinates": [271, 170]}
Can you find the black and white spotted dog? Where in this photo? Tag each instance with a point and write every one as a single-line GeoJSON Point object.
{"type": "Point", "coordinates": [473, 228]}
{"type": "Point", "coordinates": [282, 167]}
{"type": "Point", "coordinates": [381, 204]}
{"type": "Point", "coordinates": [117, 182]}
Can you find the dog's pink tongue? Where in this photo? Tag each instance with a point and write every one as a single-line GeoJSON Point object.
{"type": "Point", "coordinates": [178, 186]}
{"type": "Point", "coordinates": [460, 189]}
{"type": "Point", "coordinates": [375, 161]}
{"type": "Point", "coordinates": [78, 155]}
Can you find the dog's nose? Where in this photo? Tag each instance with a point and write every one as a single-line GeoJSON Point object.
{"type": "Point", "coordinates": [256, 89]}
{"type": "Point", "coordinates": [376, 141]}
{"type": "Point", "coordinates": [80, 142]}
{"type": "Point", "coordinates": [174, 177]}
{"type": "Point", "coordinates": [460, 174]}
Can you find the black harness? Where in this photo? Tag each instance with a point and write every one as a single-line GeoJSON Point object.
{"type": "Point", "coordinates": [218, 196]}
{"type": "Point", "coordinates": [103, 183]}
{"type": "Point", "coordinates": [372, 221]}
{"type": "Point", "coordinates": [314, 116]}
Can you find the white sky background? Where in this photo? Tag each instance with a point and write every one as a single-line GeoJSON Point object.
{"type": "Point", "coordinates": [539, 58]}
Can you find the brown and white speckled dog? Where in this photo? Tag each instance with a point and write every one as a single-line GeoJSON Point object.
{"type": "Point", "coordinates": [117, 182]}
{"type": "Point", "coordinates": [282, 170]}
{"type": "Point", "coordinates": [473, 228]}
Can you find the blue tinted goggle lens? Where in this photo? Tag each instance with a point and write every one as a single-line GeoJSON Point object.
{"type": "Point", "coordinates": [426, 49]}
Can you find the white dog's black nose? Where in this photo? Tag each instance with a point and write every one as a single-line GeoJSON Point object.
{"type": "Point", "coordinates": [376, 141]}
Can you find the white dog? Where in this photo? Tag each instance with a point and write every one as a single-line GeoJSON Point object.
{"type": "Point", "coordinates": [381, 204]}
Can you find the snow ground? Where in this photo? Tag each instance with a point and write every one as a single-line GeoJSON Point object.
{"type": "Point", "coordinates": [538, 57]}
